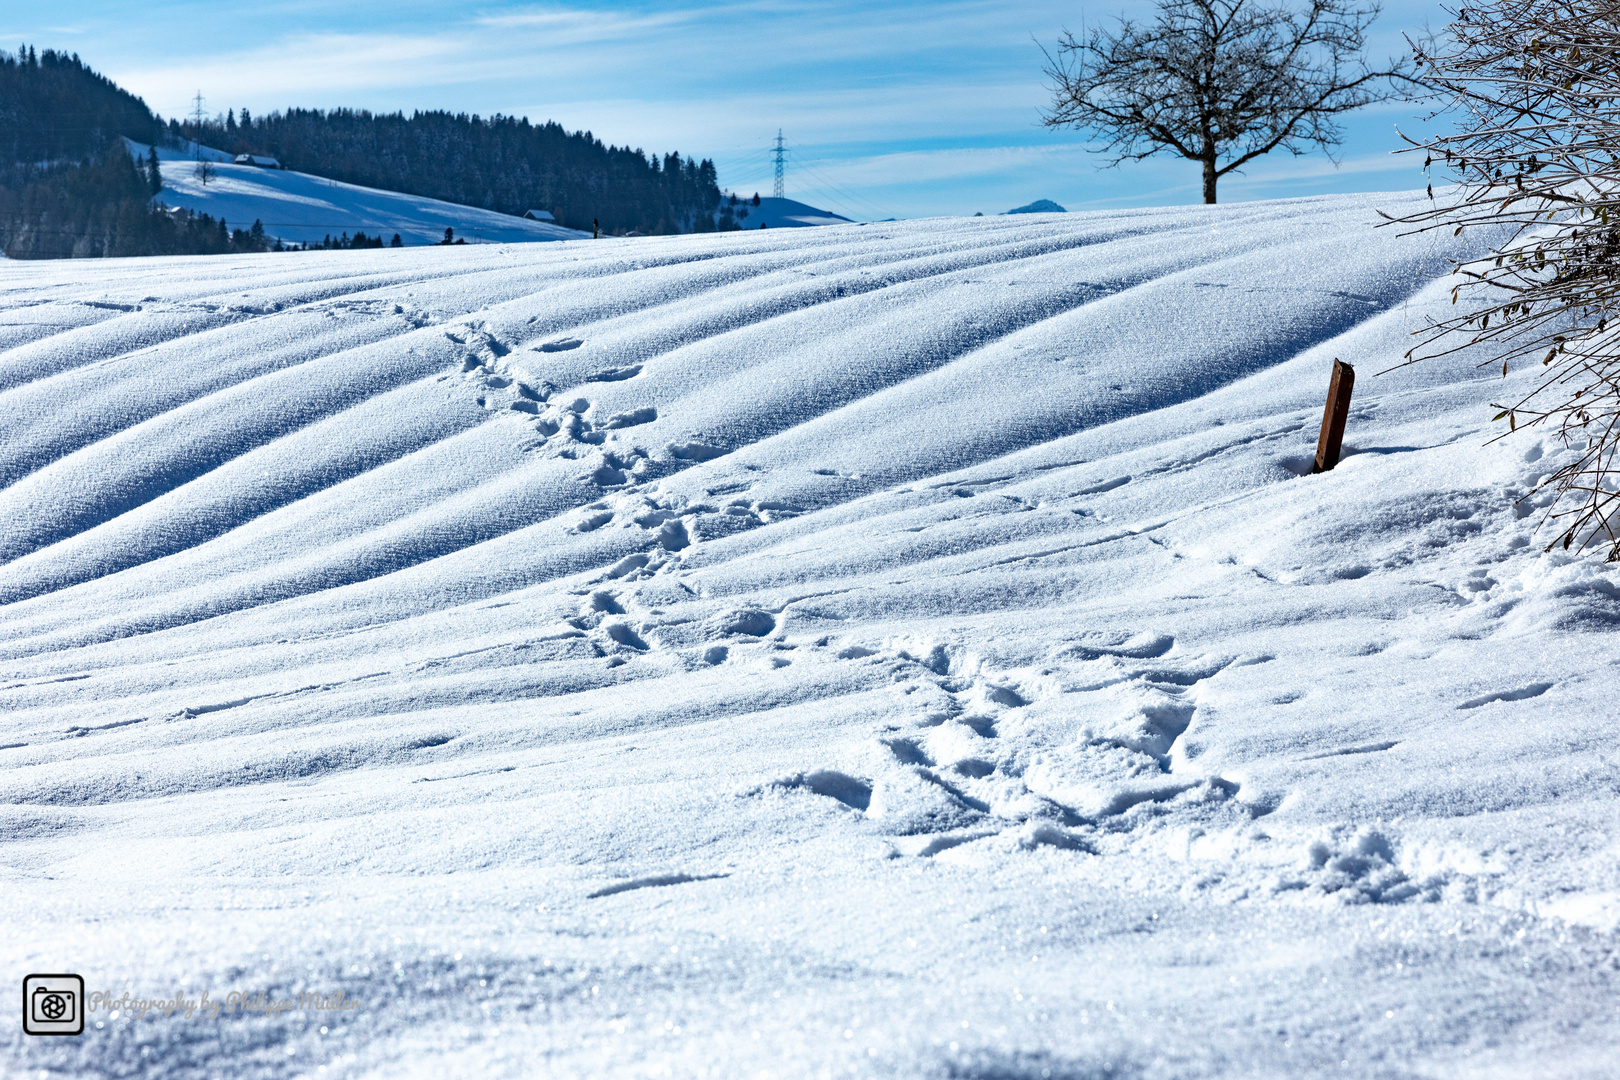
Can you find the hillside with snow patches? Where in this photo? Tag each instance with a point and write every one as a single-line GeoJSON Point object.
{"type": "Point", "coordinates": [300, 208]}
{"type": "Point", "coordinates": [899, 650]}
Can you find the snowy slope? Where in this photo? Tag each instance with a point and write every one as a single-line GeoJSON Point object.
{"type": "Point", "coordinates": [907, 650]}
{"type": "Point", "coordinates": [776, 213]}
{"type": "Point", "coordinates": [300, 208]}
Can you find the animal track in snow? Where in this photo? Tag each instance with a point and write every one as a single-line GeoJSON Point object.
{"type": "Point", "coordinates": [632, 418]}
{"type": "Point", "coordinates": [694, 451]}
{"type": "Point", "coordinates": [614, 374]}
{"type": "Point", "coordinates": [1535, 689]}
{"type": "Point", "coordinates": [564, 345]}
{"type": "Point", "coordinates": [1348, 751]}
{"type": "Point", "coordinates": [657, 881]}
{"type": "Point", "coordinates": [1359, 867]}
{"type": "Point", "coordinates": [852, 791]}
{"type": "Point", "coordinates": [907, 751]}
{"type": "Point", "coordinates": [573, 429]}
{"type": "Point", "coordinates": [1079, 744]}
{"type": "Point", "coordinates": [624, 634]}
{"type": "Point", "coordinates": [593, 518]}
{"type": "Point", "coordinates": [485, 365]}
{"type": "Point", "coordinates": [749, 622]}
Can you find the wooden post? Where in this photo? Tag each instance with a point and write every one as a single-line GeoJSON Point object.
{"type": "Point", "coordinates": [1334, 416]}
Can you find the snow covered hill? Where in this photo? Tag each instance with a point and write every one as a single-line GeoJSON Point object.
{"type": "Point", "coordinates": [300, 208]}
{"type": "Point", "coordinates": [902, 650]}
{"type": "Point", "coordinates": [777, 213]}
{"type": "Point", "coordinates": [1039, 206]}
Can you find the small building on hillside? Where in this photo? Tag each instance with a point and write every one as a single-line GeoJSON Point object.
{"type": "Point", "coordinates": [541, 215]}
{"type": "Point", "coordinates": [257, 160]}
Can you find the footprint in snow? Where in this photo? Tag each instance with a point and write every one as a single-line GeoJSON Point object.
{"type": "Point", "coordinates": [752, 622]}
{"type": "Point", "coordinates": [633, 418]}
{"type": "Point", "coordinates": [615, 374]}
{"type": "Point", "coordinates": [853, 792]}
{"type": "Point", "coordinates": [993, 751]}
{"type": "Point", "coordinates": [1535, 689]}
{"type": "Point", "coordinates": [694, 451]}
{"type": "Point", "coordinates": [593, 520]}
{"type": "Point", "coordinates": [561, 346]}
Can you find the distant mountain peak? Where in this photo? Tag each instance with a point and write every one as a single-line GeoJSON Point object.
{"type": "Point", "coordinates": [1040, 206]}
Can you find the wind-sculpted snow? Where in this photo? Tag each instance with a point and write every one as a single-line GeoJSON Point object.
{"type": "Point", "coordinates": [911, 649]}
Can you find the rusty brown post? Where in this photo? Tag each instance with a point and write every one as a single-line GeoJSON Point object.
{"type": "Point", "coordinates": [1334, 416]}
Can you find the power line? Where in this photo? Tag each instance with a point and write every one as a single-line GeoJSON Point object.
{"type": "Point", "coordinates": [751, 165]}
{"type": "Point", "coordinates": [882, 211]}
{"type": "Point", "coordinates": [754, 163]}
{"type": "Point", "coordinates": [864, 205]}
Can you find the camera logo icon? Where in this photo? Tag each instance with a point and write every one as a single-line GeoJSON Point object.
{"type": "Point", "coordinates": [53, 1005]}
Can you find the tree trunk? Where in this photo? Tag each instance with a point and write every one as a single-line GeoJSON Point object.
{"type": "Point", "coordinates": [1209, 180]}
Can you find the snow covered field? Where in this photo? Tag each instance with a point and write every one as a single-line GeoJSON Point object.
{"type": "Point", "coordinates": [304, 209]}
{"type": "Point", "coordinates": [902, 650]}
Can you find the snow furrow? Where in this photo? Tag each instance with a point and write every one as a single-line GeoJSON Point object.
{"type": "Point", "coordinates": [934, 623]}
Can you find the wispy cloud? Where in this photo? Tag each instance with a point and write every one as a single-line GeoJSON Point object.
{"type": "Point", "coordinates": [579, 26]}
{"type": "Point", "coordinates": [308, 65]}
{"type": "Point", "coordinates": [909, 106]}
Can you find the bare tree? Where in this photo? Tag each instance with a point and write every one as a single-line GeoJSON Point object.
{"type": "Point", "coordinates": [1535, 90]}
{"type": "Point", "coordinates": [1221, 82]}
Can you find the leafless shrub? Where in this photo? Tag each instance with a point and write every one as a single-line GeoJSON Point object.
{"type": "Point", "coordinates": [1536, 87]}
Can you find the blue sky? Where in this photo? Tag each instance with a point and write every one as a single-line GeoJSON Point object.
{"type": "Point", "coordinates": [901, 109]}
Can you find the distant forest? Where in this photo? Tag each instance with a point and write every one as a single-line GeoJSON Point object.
{"type": "Point", "coordinates": [69, 189]}
{"type": "Point", "coordinates": [501, 163]}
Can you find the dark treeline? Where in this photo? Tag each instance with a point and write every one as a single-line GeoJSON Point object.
{"type": "Point", "coordinates": [104, 208]}
{"type": "Point", "coordinates": [499, 163]}
{"type": "Point", "coordinates": [68, 189]}
{"type": "Point", "coordinates": [54, 109]}
{"type": "Point", "coordinates": [359, 241]}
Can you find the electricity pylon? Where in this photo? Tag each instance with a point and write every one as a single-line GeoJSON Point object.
{"type": "Point", "coordinates": [205, 169]}
{"type": "Point", "coordinates": [781, 154]}
{"type": "Point", "coordinates": [196, 121]}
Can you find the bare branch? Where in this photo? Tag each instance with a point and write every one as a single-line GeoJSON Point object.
{"type": "Point", "coordinates": [1535, 87]}
{"type": "Point", "coordinates": [1222, 82]}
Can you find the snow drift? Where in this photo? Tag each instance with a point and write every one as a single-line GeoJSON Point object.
{"type": "Point", "coordinates": [893, 650]}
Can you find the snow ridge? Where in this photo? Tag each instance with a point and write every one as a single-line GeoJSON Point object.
{"type": "Point", "coordinates": [912, 649]}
